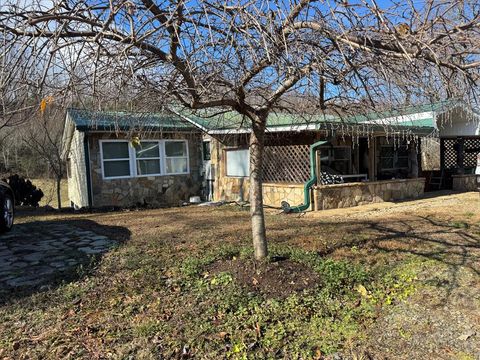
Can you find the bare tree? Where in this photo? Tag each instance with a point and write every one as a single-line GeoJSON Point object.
{"type": "Point", "coordinates": [251, 56]}
{"type": "Point", "coordinates": [43, 135]}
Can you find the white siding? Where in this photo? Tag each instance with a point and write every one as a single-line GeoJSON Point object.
{"type": "Point", "coordinates": [77, 180]}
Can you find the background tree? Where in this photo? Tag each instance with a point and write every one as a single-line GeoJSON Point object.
{"type": "Point", "coordinates": [43, 136]}
{"type": "Point", "coordinates": [253, 57]}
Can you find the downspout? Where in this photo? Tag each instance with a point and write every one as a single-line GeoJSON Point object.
{"type": "Point", "coordinates": [87, 169]}
{"type": "Point", "coordinates": [307, 186]}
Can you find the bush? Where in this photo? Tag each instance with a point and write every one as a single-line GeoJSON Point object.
{"type": "Point", "coordinates": [25, 192]}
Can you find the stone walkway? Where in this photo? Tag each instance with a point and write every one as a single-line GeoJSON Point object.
{"type": "Point", "coordinates": [36, 253]}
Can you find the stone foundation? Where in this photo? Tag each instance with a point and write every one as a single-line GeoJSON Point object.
{"type": "Point", "coordinates": [237, 189]}
{"type": "Point", "coordinates": [354, 194]}
{"type": "Point", "coordinates": [465, 182]}
{"type": "Point", "coordinates": [274, 194]}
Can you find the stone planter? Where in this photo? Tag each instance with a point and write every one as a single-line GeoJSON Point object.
{"type": "Point", "coordinates": [465, 182]}
{"type": "Point", "coordinates": [354, 194]}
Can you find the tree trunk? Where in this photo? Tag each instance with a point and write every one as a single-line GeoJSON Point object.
{"type": "Point", "coordinates": [256, 195]}
{"type": "Point", "coordinates": [59, 197]}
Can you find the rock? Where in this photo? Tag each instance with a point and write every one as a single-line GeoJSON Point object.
{"type": "Point", "coordinates": [89, 250]}
{"type": "Point", "coordinates": [465, 336]}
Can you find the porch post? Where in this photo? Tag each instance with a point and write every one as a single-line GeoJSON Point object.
{"type": "Point", "coordinates": [371, 159]}
{"type": "Point", "coordinates": [460, 155]}
{"type": "Point", "coordinates": [318, 164]}
{"type": "Point", "coordinates": [412, 161]}
{"type": "Point", "coordinates": [442, 154]}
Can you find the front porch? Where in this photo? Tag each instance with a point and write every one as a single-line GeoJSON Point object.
{"type": "Point", "coordinates": [365, 169]}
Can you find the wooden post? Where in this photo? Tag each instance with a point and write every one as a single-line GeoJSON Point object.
{"type": "Point", "coordinates": [356, 159]}
{"type": "Point", "coordinates": [372, 160]}
{"type": "Point", "coordinates": [460, 155]}
{"type": "Point", "coordinates": [318, 164]}
{"type": "Point", "coordinates": [442, 154]}
{"type": "Point", "coordinates": [412, 161]}
{"type": "Point", "coordinates": [318, 172]}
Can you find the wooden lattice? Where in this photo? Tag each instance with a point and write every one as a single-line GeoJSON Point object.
{"type": "Point", "coordinates": [459, 152]}
{"type": "Point", "coordinates": [286, 164]}
{"type": "Point", "coordinates": [449, 158]}
{"type": "Point", "coordinates": [471, 148]}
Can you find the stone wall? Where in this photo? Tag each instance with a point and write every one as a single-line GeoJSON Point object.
{"type": "Point", "coordinates": [465, 182]}
{"type": "Point", "coordinates": [237, 189]}
{"type": "Point", "coordinates": [354, 194]}
{"type": "Point", "coordinates": [274, 194]}
{"type": "Point", "coordinates": [228, 188]}
{"type": "Point", "coordinates": [164, 190]}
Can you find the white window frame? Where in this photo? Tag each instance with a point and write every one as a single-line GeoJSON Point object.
{"type": "Point", "coordinates": [132, 159]}
{"type": "Point", "coordinates": [159, 158]}
{"type": "Point", "coordinates": [102, 160]}
{"type": "Point", "coordinates": [165, 157]}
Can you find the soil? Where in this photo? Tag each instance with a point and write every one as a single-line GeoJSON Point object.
{"type": "Point", "coordinates": [440, 320]}
{"type": "Point", "coordinates": [278, 278]}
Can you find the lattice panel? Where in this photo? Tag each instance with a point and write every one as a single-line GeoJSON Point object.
{"type": "Point", "coordinates": [286, 164]}
{"type": "Point", "coordinates": [450, 148]}
{"type": "Point", "coordinates": [471, 148]}
{"type": "Point", "coordinates": [449, 160]}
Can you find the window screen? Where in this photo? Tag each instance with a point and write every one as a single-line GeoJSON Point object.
{"type": "Point", "coordinates": [391, 158]}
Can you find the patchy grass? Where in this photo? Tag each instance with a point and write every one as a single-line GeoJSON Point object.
{"type": "Point", "coordinates": [174, 288]}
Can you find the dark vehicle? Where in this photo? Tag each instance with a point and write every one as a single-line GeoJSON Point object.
{"type": "Point", "coordinates": [7, 207]}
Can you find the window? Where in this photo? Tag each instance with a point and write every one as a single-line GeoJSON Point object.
{"type": "Point", "coordinates": [238, 162]}
{"type": "Point", "coordinates": [176, 157]}
{"type": "Point", "coordinates": [335, 160]}
{"type": "Point", "coordinates": [116, 159]}
{"type": "Point", "coordinates": [206, 151]}
{"type": "Point", "coordinates": [148, 158]}
{"type": "Point", "coordinates": [391, 158]}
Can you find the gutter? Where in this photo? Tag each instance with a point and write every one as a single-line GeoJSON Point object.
{"type": "Point", "coordinates": [307, 186]}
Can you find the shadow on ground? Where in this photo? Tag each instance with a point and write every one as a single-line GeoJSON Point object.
{"type": "Point", "coordinates": [454, 244]}
{"type": "Point", "coordinates": [39, 255]}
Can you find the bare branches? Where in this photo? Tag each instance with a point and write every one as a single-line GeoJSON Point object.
{"type": "Point", "coordinates": [247, 56]}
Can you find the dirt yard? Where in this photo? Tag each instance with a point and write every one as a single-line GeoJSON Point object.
{"type": "Point", "coordinates": [383, 281]}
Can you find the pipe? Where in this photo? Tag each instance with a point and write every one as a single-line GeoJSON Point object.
{"type": "Point", "coordinates": [306, 188]}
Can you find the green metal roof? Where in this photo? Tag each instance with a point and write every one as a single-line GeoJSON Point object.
{"type": "Point", "coordinates": [420, 117]}
{"type": "Point", "coordinates": [124, 120]}
{"type": "Point", "coordinates": [416, 117]}
{"type": "Point", "coordinates": [234, 120]}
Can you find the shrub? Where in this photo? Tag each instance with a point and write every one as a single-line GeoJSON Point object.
{"type": "Point", "coordinates": [25, 192]}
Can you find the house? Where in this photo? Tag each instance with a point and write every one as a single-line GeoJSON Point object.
{"type": "Point", "coordinates": [311, 161]}
{"type": "Point", "coordinates": [124, 158]}
{"type": "Point", "coordinates": [459, 134]}
{"type": "Point", "coordinates": [378, 155]}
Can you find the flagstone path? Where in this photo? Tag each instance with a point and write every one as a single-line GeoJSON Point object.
{"type": "Point", "coordinates": [34, 253]}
